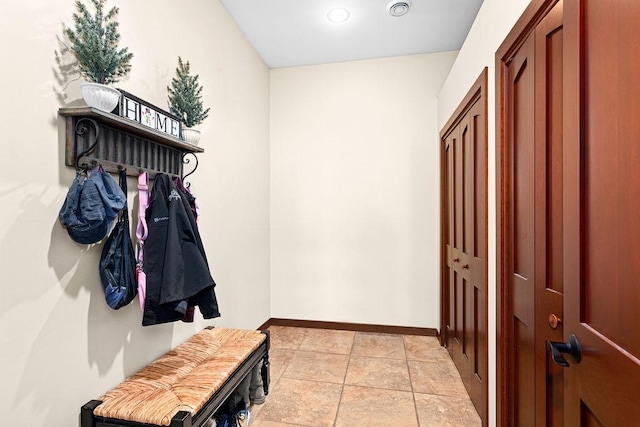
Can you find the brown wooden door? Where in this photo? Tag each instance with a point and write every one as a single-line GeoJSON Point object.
{"type": "Point", "coordinates": [602, 210]}
{"type": "Point", "coordinates": [531, 229]}
{"type": "Point", "coordinates": [464, 243]}
{"type": "Point", "coordinates": [572, 249]}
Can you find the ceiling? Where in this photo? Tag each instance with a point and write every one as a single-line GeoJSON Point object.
{"type": "Point", "coordinates": [288, 33]}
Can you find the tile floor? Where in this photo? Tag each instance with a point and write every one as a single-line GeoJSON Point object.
{"type": "Point", "coordinates": [323, 377]}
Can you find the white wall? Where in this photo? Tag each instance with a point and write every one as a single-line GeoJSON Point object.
{"type": "Point", "coordinates": [354, 177]}
{"type": "Point", "coordinates": [354, 191]}
{"type": "Point", "coordinates": [494, 21]}
{"type": "Point", "coordinates": [60, 344]}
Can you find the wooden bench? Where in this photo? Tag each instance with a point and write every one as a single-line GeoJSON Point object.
{"type": "Point", "coordinates": [187, 385]}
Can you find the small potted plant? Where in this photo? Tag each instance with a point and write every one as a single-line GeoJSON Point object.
{"type": "Point", "coordinates": [94, 43]}
{"type": "Point", "coordinates": [185, 101]}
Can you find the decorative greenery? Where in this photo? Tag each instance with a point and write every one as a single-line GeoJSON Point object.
{"type": "Point", "coordinates": [95, 44]}
{"type": "Point", "coordinates": [185, 96]}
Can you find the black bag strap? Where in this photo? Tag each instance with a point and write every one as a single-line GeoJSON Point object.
{"type": "Point", "coordinates": [124, 213]}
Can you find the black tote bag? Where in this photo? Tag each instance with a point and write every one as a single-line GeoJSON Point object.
{"type": "Point", "coordinates": [118, 261]}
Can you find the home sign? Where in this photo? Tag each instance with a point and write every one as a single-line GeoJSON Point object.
{"type": "Point", "coordinates": [140, 111]}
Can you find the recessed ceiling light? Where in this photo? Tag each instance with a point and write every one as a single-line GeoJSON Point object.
{"type": "Point", "coordinates": [338, 15]}
{"type": "Point", "coordinates": [398, 8]}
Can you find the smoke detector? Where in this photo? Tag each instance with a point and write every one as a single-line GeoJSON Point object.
{"type": "Point", "coordinates": [398, 8]}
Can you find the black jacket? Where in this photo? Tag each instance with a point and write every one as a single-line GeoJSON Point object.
{"type": "Point", "coordinates": [176, 266]}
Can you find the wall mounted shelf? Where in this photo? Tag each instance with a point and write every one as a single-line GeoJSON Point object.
{"type": "Point", "coordinates": [93, 136]}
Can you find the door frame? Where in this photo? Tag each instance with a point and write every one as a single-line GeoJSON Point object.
{"type": "Point", "coordinates": [505, 342]}
{"type": "Point", "coordinates": [477, 93]}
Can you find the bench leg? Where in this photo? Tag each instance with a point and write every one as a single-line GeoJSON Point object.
{"type": "Point", "coordinates": [86, 413]}
{"type": "Point", "coordinates": [181, 419]}
{"type": "Point", "coordinates": [266, 374]}
{"type": "Point", "coordinates": [266, 371]}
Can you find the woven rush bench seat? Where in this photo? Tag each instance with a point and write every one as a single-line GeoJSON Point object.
{"type": "Point", "coordinates": [187, 385]}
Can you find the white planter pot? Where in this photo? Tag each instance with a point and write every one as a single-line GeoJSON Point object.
{"type": "Point", "coordinates": [99, 96]}
{"type": "Point", "coordinates": [190, 135]}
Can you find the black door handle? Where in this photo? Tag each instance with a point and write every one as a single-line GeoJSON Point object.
{"type": "Point", "coordinates": [571, 347]}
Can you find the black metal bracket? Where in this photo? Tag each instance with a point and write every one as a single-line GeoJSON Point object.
{"type": "Point", "coordinates": [115, 142]}
{"type": "Point", "coordinates": [186, 161]}
{"type": "Point", "coordinates": [82, 130]}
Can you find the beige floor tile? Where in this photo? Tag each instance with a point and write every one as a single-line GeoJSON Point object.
{"type": "Point", "coordinates": [286, 337]}
{"type": "Point", "coordinates": [436, 378]}
{"type": "Point", "coordinates": [378, 372]}
{"type": "Point", "coordinates": [279, 359]}
{"type": "Point", "coordinates": [328, 341]}
{"type": "Point", "coordinates": [300, 402]}
{"type": "Point", "coordinates": [367, 407]}
{"type": "Point", "coordinates": [427, 349]}
{"type": "Point", "coordinates": [446, 411]}
{"type": "Point", "coordinates": [313, 366]}
{"type": "Point", "coordinates": [378, 345]}
{"type": "Point", "coordinates": [308, 367]}
{"type": "Point", "coordinates": [260, 423]}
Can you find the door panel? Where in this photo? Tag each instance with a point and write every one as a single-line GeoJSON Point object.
{"type": "Point", "coordinates": [457, 344]}
{"type": "Point", "coordinates": [464, 247]}
{"type": "Point", "coordinates": [548, 212]}
{"type": "Point", "coordinates": [521, 85]}
{"type": "Point", "coordinates": [602, 201]}
{"type": "Point", "coordinates": [478, 256]}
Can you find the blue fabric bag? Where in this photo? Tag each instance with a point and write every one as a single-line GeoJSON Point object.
{"type": "Point", "coordinates": [92, 203]}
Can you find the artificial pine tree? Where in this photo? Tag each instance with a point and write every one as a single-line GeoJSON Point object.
{"type": "Point", "coordinates": [185, 96]}
{"type": "Point", "coordinates": [95, 44]}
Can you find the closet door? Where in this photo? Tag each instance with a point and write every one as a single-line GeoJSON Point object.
{"type": "Point", "coordinates": [464, 243]}
{"type": "Point", "coordinates": [602, 210]}
{"type": "Point", "coordinates": [584, 176]}
{"type": "Point", "coordinates": [530, 225]}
